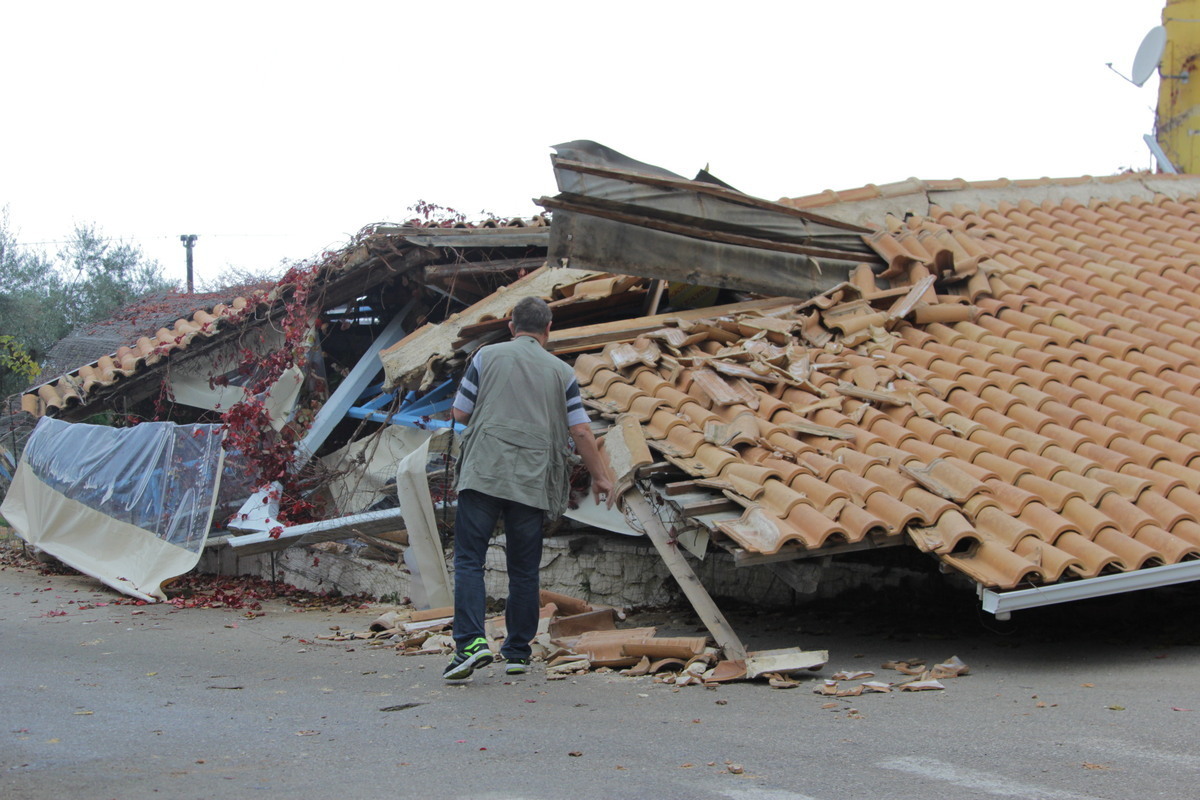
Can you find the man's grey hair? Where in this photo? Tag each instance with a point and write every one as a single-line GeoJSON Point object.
{"type": "Point", "coordinates": [530, 315]}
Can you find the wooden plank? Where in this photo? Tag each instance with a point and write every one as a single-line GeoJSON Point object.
{"type": "Point", "coordinates": [659, 468]}
{"type": "Point", "coordinates": [408, 360]}
{"type": "Point", "coordinates": [703, 604]}
{"type": "Point", "coordinates": [561, 309]}
{"type": "Point", "coordinates": [713, 506]}
{"type": "Point", "coordinates": [627, 329]}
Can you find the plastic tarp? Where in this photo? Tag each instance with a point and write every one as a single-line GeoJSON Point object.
{"type": "Point", "coordinates": [129, 506]}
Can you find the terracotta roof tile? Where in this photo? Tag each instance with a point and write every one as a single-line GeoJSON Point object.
{"type": "Point", "coordinates": [1049, 434]}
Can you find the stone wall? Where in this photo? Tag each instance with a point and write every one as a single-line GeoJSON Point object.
{"type": "Point", "coordinates": [608, 569]}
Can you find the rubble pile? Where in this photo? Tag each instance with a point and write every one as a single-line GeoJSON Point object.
{"type": "Point", "coordinates": [576, 637]}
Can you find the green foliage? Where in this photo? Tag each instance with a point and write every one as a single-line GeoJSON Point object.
{"type": "Point", "coordinates": [14, 359]}
{"type": "Point", "coordinates": [44, 297]}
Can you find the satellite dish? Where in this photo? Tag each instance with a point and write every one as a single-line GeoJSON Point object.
{"type": "Point", "coordinates": [1149, 55]}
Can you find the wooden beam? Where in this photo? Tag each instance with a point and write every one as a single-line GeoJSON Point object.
{"type": "Point", "coordinates": [628, 329]}
{"type": "Point", "coordinates": [713, 506]}
{"type": "Point", "coordinates": [703, 604]}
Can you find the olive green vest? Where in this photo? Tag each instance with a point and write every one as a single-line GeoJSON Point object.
{"type": "Point", "coordinates": [515, 446]}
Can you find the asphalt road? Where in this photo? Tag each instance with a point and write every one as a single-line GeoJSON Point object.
{"type": "Point", "coordinates": [1099, 700]}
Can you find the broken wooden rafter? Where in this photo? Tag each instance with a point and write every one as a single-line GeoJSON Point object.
{"type": "Point", "coordinates": [570, 340]}
{"type": "Point", "coordinates": [714, 506]}
{"type": "Point", "coordinates": [709, 614]}
{"type": "Point", "coordinates": [576, 308]}
{"type": "Point", "coordinates": [415, 358]}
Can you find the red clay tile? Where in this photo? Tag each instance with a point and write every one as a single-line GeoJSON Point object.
{"type": "Point", "coordinates": [993, 565]}
{"type": "Point", "coordinates": [860, 523]}
{"type": "Point", "coordinates": [1054, 563]}
{"type": "Point", "coordinates": [759, 531]}
{"type": "Point", "coordinates": [929, 505]}
{"type": "Point", "coordinates": [1177, 452]}
{"type": "Point", "coordinates": [951, 531]}
{"type": "Point", "coordinates": [1087, 519]}
{"type": "Point", "coordinates": [1048, 524]}
{"type": "Point", "coordinates": [1166, 426]}
{"type": "Point", "coordinates": [1145, 455]}
{"type": "Point", "coordinates": [661, 422]}
{"type": "Point", "coordinates": [1055, 494]}
{"type": "Point", "coordinates": [1173, 548]}
{"type": "Point", "coordinates": [1127, 517]}
{"type": "Point", "coordinates": [1132, 553]}
{"type": "Point", "coordinates": [1033, 442]}
{"type": "Point", "coordinates": [1067, 438]}
{"type": "Point", "coordinates": [1093, 558]}
{"type": "Point", "coordinates": [1188, 531]}
{"type": "Point", "coordinates": [1010, 498]}
{"type": "Point", "coordinates": [815, 528]}
{"type": "Point", "coordinates": [1166, 513]}
{"type": "Point", "coordinates": [781, 498]}
{"type": "Point", "coordinates": [961, 448]}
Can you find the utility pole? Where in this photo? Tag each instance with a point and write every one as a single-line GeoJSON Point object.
{"type": "Point", "coordinates": [189, 241]}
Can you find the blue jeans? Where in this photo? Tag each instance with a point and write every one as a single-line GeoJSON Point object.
{"type": "Point", "coordinates": [474, 524]}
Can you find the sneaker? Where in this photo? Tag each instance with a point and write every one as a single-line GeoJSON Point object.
{"type": "Point", "coordinates": [467, 660]}
{"type": "Point", "coordinates": [517, 666]}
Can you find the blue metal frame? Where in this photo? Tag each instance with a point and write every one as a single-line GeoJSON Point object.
{"type": "Point", "coordinates": [414, 412]}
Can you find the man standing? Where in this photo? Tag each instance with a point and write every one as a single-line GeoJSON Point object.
{"type": "Point", "coordinates": [521, 403]}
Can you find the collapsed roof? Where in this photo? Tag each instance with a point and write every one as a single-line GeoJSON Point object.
{"type": "Point", "coordinates": [1001, 374]}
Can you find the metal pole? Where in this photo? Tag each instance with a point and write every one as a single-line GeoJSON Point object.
{"type": "Point", "coordinates": [189, 241]}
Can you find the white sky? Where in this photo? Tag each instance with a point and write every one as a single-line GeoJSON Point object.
{"type": "Point", "coordinates": [276, 130]}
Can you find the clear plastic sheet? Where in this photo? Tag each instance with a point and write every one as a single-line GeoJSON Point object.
{"type": "Point", "coordinates": [131, 506]}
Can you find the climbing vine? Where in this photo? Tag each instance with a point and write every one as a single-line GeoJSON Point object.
{"type": "Point", "coordinates": [271, 453]}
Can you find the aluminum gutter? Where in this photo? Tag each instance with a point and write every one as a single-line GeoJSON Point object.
{"type": "Point", "coordinates": [1002, 604]}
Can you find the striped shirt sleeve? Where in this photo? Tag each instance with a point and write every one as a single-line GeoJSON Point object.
{"type": "Point", "coordinates": [468, 389]}
{"type": "Point", "coordinates": [576, 414]}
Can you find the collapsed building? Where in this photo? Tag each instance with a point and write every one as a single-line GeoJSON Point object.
{"type": "Point", "coordinates": [995, 379]}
